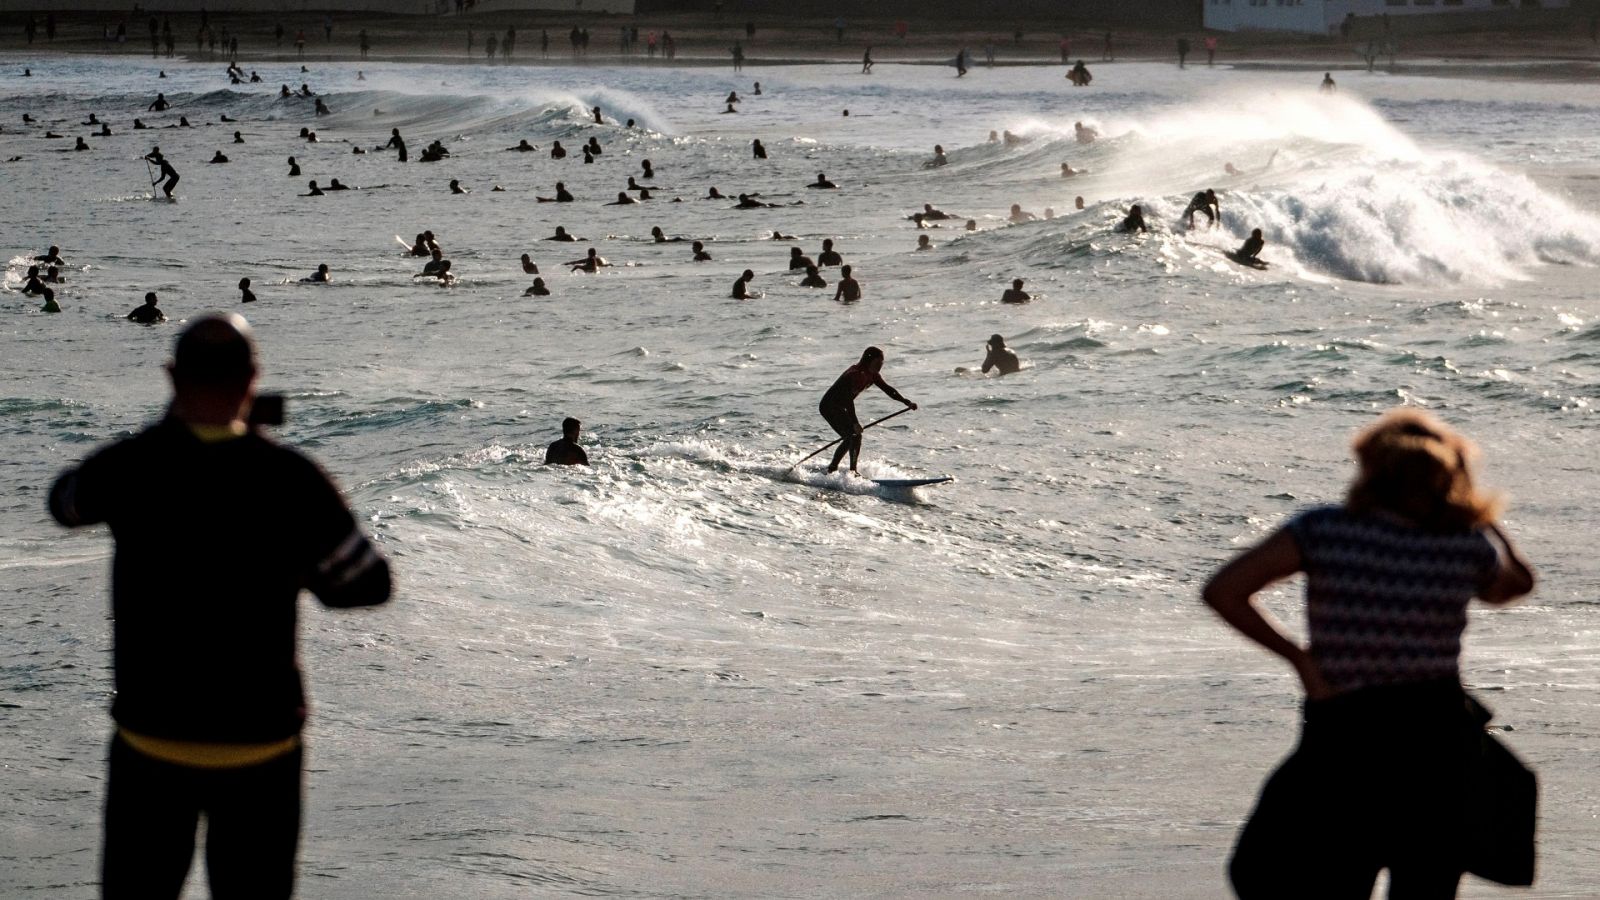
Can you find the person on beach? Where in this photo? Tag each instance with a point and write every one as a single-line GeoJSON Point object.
{"type": "Point", "coordinates": [148, 313]}
{"type": "Point", "coordinates": [1204, 202]}
{"type": "Point", "coordinates": [848, 290]}
{"type": "Point", "coordinates": [537, 289]}
{"type": "Point", "coordinates": [700, 254]}
{"type": "Point", "coordinates": [166, 171]}
{"type": "Point", "coordinates": [396, 142]}
{"type": "Point", "coordinates": [1250, 250]}
{"type": "Point", "coordinates": [838, 404]}
{"type": "Point", "coordinates": [813, 279]}
{"type": "Point", "coordinates": [1327, 86]}
{"type": "Point", "coordinates": [592, 262]}
{"type": "Point", "coordinates": [1000, 357]}
{"type": "Point", "coordinates": [741, 288]}
{"type": "Point", "coordinates": [866, 62]}
{"type": "Point", "coordinates": [1381, 777]}
{"type": "Point", "coordinates": [1134, 221]}
{"type": "Point", "coordinates": [210, 702]}
{"type": "Point", "coordinates": [245, 294]}
{"type": "Point", "coordinates": [567, 452]}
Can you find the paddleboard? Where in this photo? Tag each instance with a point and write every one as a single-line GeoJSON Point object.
{"type": "Point", "coordinates": [910, 482]}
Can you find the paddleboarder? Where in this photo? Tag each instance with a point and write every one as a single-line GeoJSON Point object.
{"type": "Point", "coordinates": [838, 405]}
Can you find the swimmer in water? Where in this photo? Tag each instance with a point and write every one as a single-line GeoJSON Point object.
{"type": "Point", "coordinates": [322, 108]}
{"type": "Point", "coordinates": [1250, 251]}
{"type": "Point", "coordinates": [994, 137]}
{"type": "Point", "coordinates": [1000, 357]}
{"type": "Point", "coordinates": [422, 246]}
{"type": "Point", "coordinates": [700, 254]}
{"type": "Point", "coordinates": [562, 196]}
{"type": "Point", "coordinates": [441, 272]}
{"type": "Point", "coordinates": [714, 194]}
{"type": "Point", "coordinates": [1015, 293]}
{"type": "Point", "coordinates": [80, 145]}
{"type": "Point", "coordinates": [523, 146]}
{"type": "Point", "coordinates": [972, 224]}
{"type": "Point", "coordinates": [588, 158]}
{"type": "Point", "coordinates": [529, 267]}
{"type": "Point", "coordinates": [930, 214]}
{"type": "Point", "coordinates": [591, 263]}
{"type": "Point", "coordinates": [923, 243]}
{"type": "Point", "coordinates": [52, 275]}
{"type": "Point", "coordinates": [557, 151]}
{"type": "Point", "coordinates": [741, 288]}
{"type": "Point", "coordinates": [36, 287]}
{"type": "Point", "coordinates": [283, 91]}
{"type": "Point", "coordinates": [822, 182]}
{"type": "Point", "coordinates": [1205, 202]}
{"type": "Point", "coordinates": [733, 97]}
{"type": "Point", "coordinates": [433, 265]}
{"type": "Point", "coordinates": [748, 202]}
{"type": "Point", "coordinates": [537, 290]}
{"type": "Point", "coordinates": [315, 191]}
{"type": "Point", "coordinates": [51, 257]}
{"type": "Point", "coordinates": [105, 130]}
{"type": "Point", "coordinates": [730, 109]}
{"type": "Point", "coordinates": [1077, 202]}
{"type": "Point", "coordinates": [562, 235]}
{"type": "Point", "coordinates": [139, 125]}
{"type": "Point", "coordinates": [1229, 169]}
{"type": "Point", "coordinates": [798, 259]}
{"type": "Point", "coordinates": [848, 290]}
{"type": "Point", "coordinates": [938, 158]}
{"type": "Point", "coordinates": [1085, 134]}
{"type": "Point", "coordinates": [456, 188]}
{"type": "Point", "coordinates": [813, 279]}
{"type": "Point", "coordinates": [593, 146]}
{"type": "Point", "coordinates": [246, 295]}
{"type": "Point", "coordinates": [660, 237]}
{"type": "Point", "coordinates": [597, 119]}
{"type": "Point", "coordinates": [622, 200]}
{"type": "Point", "coordinates": [294, 168]}
{"type": "Point", "coordinates": [357, 151]}
{"type": "Point", "coordinates": [159, 104]}
{"type": "Point", "coordinates": [320, 276]}
{"type": "Point", "coordinates": [1020, 215]}
{"type": "Point", "coordinates": [757, 150]}
{"type": "Point", "coordinates": [306, 91]}
{"type": "Point", "coordinates": [238, 138]}
{"type": "Point", "coordinates": [829, 256]}
{"type": "Point", "coordinates": [649, 170]}
{"type": "Point", "coordinates": [396, 142]}
{"type": "Point", "coordinates": [218, 157]}
{"type": "Point", "coordinates": [1068, 171]}
{"type": "Point", "coordinates": [1134, 221]}
{"type": "Point", "coordinates": [334, 185]}
{"type": "Point", "coordinates": [148, 314]}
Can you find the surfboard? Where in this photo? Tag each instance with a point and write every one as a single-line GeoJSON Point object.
{"type": "Point", "coordinates": [1252, 263]}
{"type": "Point", "coordinates": [910, 482]}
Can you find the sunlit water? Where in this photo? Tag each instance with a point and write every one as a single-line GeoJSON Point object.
{"type": "Point", "coordinates": [684, 673]}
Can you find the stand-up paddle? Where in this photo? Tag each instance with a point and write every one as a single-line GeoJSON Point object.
{"type": "Point", "coordinates": [837, 440]}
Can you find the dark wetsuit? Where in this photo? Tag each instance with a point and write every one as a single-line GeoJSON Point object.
{"type": "Point", "coordinates": [565, 453]}
{"type": "Point", "coordinates": [399, 144]}
{"type": "Point", "coordinates": [1002, 359]}
{"type": "Point", "coordinates": [1251, 249]}
{"type": "Point", "coordinates": [167, 172]}
{"type": "Point", "coordinates": [204, 646]}
{"type": "Point", "coordinates": [838, 405]}
{"type": "Point", "coordinates": [1200, 203]}
{"type": "Point", "coordinates": [146, 315]}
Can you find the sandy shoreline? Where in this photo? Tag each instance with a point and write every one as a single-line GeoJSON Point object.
{"type": "Point", "coordinates": [703, 41]}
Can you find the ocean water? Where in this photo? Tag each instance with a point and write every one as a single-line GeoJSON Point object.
{"type": "Point", "coordinates": [685, 673]}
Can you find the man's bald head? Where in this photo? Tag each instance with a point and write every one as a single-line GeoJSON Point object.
{"type": "Point", "coordinates": [217, 351]}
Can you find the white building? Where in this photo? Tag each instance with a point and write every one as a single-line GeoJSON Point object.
{"type": "Point", "coordinates": [1325, 16]}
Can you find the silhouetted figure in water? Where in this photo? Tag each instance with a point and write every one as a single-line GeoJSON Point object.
{"type": "Point", "coordinates": [1134, 221]}
{"type": "Point", "coordinates": [1000, 357]}
{"type": "Point", "coordinates": [566, 451]}
{"type": "Point", "coordinates": [838, 405]}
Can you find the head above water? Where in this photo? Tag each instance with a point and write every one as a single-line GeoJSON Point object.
{"type": "Point", "coordinates": [570, 428]}
{"type": "Point", "coordinates": [244, 284]}
{"type": "Point", "coordinates": [1017, 283]}
{"type": "Point", "coordinates": [1415, 466]}
{"type": "Point", "coordinates": [997, 342]}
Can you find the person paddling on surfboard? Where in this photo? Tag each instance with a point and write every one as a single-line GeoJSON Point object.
{"type": "Point", "coordinates": [1250, 251]}
{"type": "Point", "coordinates": [838, 405]}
